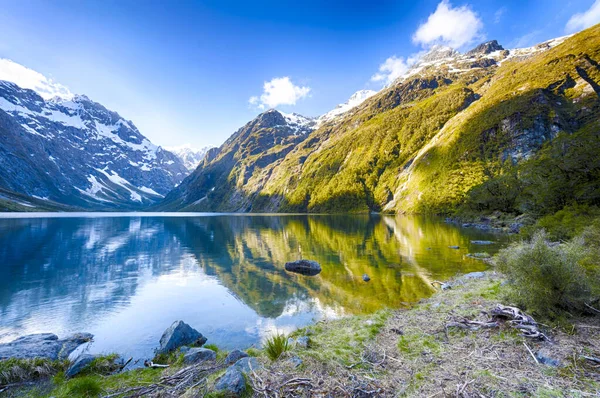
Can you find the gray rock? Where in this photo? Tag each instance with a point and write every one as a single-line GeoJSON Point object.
{"type": "Point", "coordinates": [545, 357]}
{"type": "Point", "coordinates": [296, 361]}
{"type": "Point", "coordinates": [303, 341]}
{"type": "Point", "coordinates": [43, 345]}
{"type": "Point", "coordinates": [366, 278]}
{"type": "Point", "coordinates": [79, 364]}
{"type": "Point", "coordinates": [233, 381]}
{"type": "Point", "coordinates": [184, 349]}
{"type": "Point", "coordinates": [246, 365]}
{"type": "Point", "coordinates": [195, 355]}
{"type": "Point", "coordinates": [177, 335]}
{"type": "Point", "coordinates": [482, 242]}
{"type": "Point", "coordinates": [473, 275]}
{"type": "Point", "coordinates": [234, 356]}
{"type": "Point", "coordinates": [454, 247]}
{"type": "Point", "coordinates": [304, 267]}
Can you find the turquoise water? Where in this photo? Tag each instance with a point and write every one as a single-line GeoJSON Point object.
{"type": "Point", "coordinates": [126, 277]}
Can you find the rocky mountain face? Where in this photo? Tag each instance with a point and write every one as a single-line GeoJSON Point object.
{"type": "Point", "coordinates": [190, 157]}
{"type": "Point", "coordinates": [246, 158]}
{"type": "Point", "coordinates": [78, 153]}
{"type": "Point", "coordinates": [455, 129]}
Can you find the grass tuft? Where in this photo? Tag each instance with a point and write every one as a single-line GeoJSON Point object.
{"type": "Point", "coordinates": [275, 346]}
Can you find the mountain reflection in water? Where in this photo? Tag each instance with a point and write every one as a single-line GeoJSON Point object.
{"type": "Point", "coordinates": [126, 278]}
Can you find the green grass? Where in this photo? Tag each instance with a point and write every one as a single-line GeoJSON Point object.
{"type": "Point", "coordinates": [275, 346]}
{"type": "Point", "coordinates": [14, 370]}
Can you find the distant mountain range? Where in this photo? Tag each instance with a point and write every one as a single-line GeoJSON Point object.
{"type": "Point", "coordinates": [77, 153]}
{"type": "Point", "coordinates": [490, 129]}
{"type": "Point", "coordinates": [191, 157]}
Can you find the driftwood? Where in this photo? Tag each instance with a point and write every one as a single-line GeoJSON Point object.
{"type": "Point", "coordinates": [516, 318]}
{"type": "Point", "coordinates": [172, 385]}
{"type": "Point", "coordinates": [150, 364]}
{"type": "Point", "coordinates": [592, 359]}
{"type": "Point", "coordinates": [519, 320]}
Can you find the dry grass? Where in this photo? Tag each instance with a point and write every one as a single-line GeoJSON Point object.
{"type": "Point", "coordinates": [415, 355]}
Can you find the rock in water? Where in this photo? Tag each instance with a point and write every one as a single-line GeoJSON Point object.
{"type": "Point", "coordinates": [454, 247]}
{"type": "Point", "coordinates": [366, 278]}
{"type": "Point", "coordinates": [43, 345]}
{"type": "Point", "coordinates": [482, 242]}
{"type": "Point", "coordinates": [194, 355]}
{"type": "Point", "coordinates": [177, 335]}
{"type": "Point", "coordinates": [304, 267]}
{"type": "Point", "coordinates": [234, 356]}
{"type": "Point", "coordinates": [79, 364]}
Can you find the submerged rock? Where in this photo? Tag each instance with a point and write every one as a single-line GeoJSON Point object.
{"type": "Point", "coordinates": [304, 267]}
{"type": "Point", "coordinates": [479, 255]}
{"type": "Point", "coordinates": [454, 247]}
{"type": "Point", "coordinates": [177, 335]}
{"type": "Point", "coordinates": [79, 364]}
{"type": "Point", "coordinates": [234, 356]}
{"type": "Point", "coordinates": [482, 242]}
{"type": "Point", "coordinates": [43, 345]}
{"type": "Point", "coordinates": [366, 278]}
{"type": "Point", "coordinates": [196, 354]}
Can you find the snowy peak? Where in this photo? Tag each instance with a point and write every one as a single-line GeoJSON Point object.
{"type": "Point", "coordinates": [191, 157]}
{"type": "Point", "coordinates": [439, 53]}
{"type": "Point", "coordinates": [355, 100]}
{"type": "Point", "coordinates": [442, 59]}
{"type": "Point", "coordinates": [485, 48]}
{"type": "Point", "coordinates": [298, 122]}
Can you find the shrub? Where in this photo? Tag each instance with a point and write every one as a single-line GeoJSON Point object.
{"type": "Point", "coordinates": [276, 345]}
{"type": "Point", "coordinates": [547, 279]}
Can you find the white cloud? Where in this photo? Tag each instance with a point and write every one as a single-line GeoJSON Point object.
{"type": "Point", "coordinates": [585, 19]}
{"type": "Point", "coordinates": [279, 91]}
{"type": "Point", "coordinates": [391, 69]}
{"type": "Point", "coordinates": [454, 27]}
{"type": "Point", "coordinates": [28, 78]}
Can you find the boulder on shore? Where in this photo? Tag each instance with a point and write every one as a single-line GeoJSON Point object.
{"type": "Point", "coordinates": [79, 364]}
{"type": "Point", "coordinates": [233, 381]}
{"type": "Point", "coordinates": [234, 356]}
{"type": "Point", "coordinates": [43, 345]}
{"type": "Point", "coordinates": [179, 334]}
{"type": "Point", "coordinates": [304, 267]}
{"type": "Point", "coordinates": [196, 354]}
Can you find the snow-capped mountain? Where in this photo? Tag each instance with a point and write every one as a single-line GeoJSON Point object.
{"type": "Point", "coordinates": [77, 152]}
{"type": "Point", "coordinates": [298, 123]}
{"type": "Point", "coordinates": [484, 55]}
{"type": "Point", "coordinates": [191, 157]}
{"type": "Point", "coordinates": [355, 100]}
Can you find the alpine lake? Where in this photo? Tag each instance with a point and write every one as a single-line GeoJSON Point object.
{"type": "Point", "coordinates": [125, 277]}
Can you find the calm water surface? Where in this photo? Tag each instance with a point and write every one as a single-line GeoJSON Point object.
{"type": "Point", "coordinates": [126, 277]}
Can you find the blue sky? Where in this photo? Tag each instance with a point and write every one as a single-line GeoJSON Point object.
{"type": "Point", "coordinates": [184, 71]}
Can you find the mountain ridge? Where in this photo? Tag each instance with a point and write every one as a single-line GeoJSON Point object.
{"type": "Point", "coordinates": [392, 153]}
